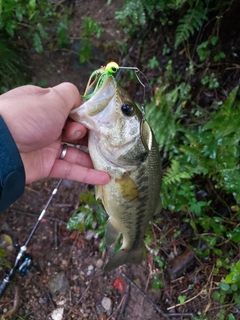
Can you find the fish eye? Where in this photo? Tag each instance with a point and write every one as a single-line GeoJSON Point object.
{"type": "Point", "coordinates": [127, 109]}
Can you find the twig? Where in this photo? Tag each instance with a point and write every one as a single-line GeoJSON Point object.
{"type": "Point", "coordinates": [180, 304]}
{"type": "Point", "coordinates": [55, 235]}
{"type": "Point", "coordinates": [37, 215]}
{"type": "Point", "coordinates": [32, 190]}
{"type": "Point", "coordinates": [118, 307]}
{"type": "Point", "coordinates": [51, 300]}
{"type": "Point", "coordinates": [146, 286]}
{"type": "Point", "coordinates": [146, 297]}
{"type": "Point", "coordinates": [165, 315]}
{"type": "Point", "coordinates": [80, 299]}
{"type": "Point", "coordinates": [16, 303]}
{"type": "Point", "coordinates": [123, 303]}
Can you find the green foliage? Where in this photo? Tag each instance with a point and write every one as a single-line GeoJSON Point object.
{"type": "Point", "coordinates": [164, 114]}
{"type": "Point", "coordinates": [192, 21]}
{"type": "Point", "coordinates": [199, 143]}
{"type": "Point", "coordinates": [90, 29]}
{"type": "Point", "coordinates": [137, 13]}
{"type": "Point", "coordinates": [3, 258]}
{"type": "Point", "coordinates": [210, 81]}
{"type": "Point", "coordinates": [11, 67]}
{"type": "Point", "coordinates": [89, 211]}
{"type": "Point", "coordinates": [210, 150]}
{"type": "Point", "coordinates": [30, 21]}
{"type": "Point", "coordinates": [29, 17]}
{"type": "Point", "coordinates": [182, 299]}
{"type": "Point", "coordinates": [230, 286]}
{"type": "Point", "coordinates": [153, 63]}
{"type": "Point", "coordinates": [205, 49]}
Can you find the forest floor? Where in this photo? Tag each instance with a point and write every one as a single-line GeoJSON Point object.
{"type": "Point", "coordinates": [67, 279]}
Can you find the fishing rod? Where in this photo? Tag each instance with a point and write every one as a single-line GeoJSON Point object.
{"type": "Point", "coordinates": [23, 261]}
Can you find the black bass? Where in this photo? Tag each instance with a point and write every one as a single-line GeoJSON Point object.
{"type": "Point", "coordinates": [122, 143]}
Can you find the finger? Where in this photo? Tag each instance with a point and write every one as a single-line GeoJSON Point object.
{"type": "Point", "coordinates": [68, 94]}
{"type": "Point", "coordinates": [79, 157]}
{"type": "Point", "coordinates": [65, 170]}
{"type": "Point", "coordinates": [73, 131]}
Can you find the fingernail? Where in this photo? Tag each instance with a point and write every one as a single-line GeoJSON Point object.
{"type": "Point", "coordinates": [77, 134]}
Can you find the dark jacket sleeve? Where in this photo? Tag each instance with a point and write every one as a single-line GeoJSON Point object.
{"type": "Point", "coordinates": [12, 174]}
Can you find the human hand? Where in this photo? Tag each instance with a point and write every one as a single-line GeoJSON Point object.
{"type": "Point", "coordinates": [38, 121]}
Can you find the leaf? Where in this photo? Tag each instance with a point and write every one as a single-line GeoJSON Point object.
{"type": "Point", "coordinates": [20, 11]}
{"type": "Point", "coordinates": [101, 215]}
{"type": "Point", "coordinates": [88, 220]}
{"type": "Point", "coordinates": [159, 261]}
{"type": "Point", "coordinates": [11, 26]}
{"type": "Point", "coordinates": [87, 198]}
{"type": "Point", "coordinates": [190, 22]}
{"type": "Point", "coordinates": [234, 235]}
{"type": "Point", "coordinates": [37, 42]}
{"type": "Point", "coordinates": [85, 51]}
{"type": "Point", "coordinates": [32, 4]}
{"type": "Point", "coordinates": [76, 221]}
{"type": "Point", "coordinates": [231, 317]}
{"type": "Point", "coordinates": [156, 285]}
{"type": "Point", "coordinates": [216, 295]}
{"type": "Point", "coordinates": [42, 31]}
{"type": "Point", "coordinates": [214, 40]}
{"type": "Point", "coordinates": [3, 253]}
{"type": "Point", "coordinates": [7, 239]}
{"type": "Point", "coordinates": [224, 286]}
{"type": "Point", "coordinates": [182, 299]}
{"type": "Point", "coordinates": [175, 173]}
{"type": "Point", "coordinates": [62, 33]}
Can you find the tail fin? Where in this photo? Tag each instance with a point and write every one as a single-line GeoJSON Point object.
{"type": "Point", "coordinates": [124, 256]}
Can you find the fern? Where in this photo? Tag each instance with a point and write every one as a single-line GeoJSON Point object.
{"type": "Point", "coordinates": [191, 22]}
{"type": "Point", "coordinates": [162, 119]}
{"type": "Point", "coordinates": [175, 174]}
{"type": "Point", "coordinates": [132, 11]}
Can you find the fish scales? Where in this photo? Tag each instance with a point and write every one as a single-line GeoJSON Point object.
{"type": "Point", "coordinates": [122, 144]}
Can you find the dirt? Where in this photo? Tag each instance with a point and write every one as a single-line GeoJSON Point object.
{"type": "Point", "coordinates": [83, 289]}
{"type": "Point", "coordinates": [56, 250]}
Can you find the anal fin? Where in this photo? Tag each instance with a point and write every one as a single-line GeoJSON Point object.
{"type": "Point", "coordinates": [111, 234]}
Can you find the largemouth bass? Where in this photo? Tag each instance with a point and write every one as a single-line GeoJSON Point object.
{"type": "Point", "coordinates": [122, 143]}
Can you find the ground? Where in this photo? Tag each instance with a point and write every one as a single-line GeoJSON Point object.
{"type": "Point", "coordinates": [67, 280]}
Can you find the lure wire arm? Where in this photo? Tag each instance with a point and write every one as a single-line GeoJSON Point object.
{"type": "Point", "coordinates": [137, 71]}
{"type": "Point", "coordinates": [23, 261]}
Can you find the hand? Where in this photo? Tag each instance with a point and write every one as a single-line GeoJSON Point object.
{"type": "Point", "coordinates": [38, 121]}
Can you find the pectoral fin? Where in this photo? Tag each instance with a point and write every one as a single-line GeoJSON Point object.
{"type": "Point", "coordinates": [98, 192]}
{"type": "Point", "coordinates": [111, 234]}
{"type": "Point", "coordinates": [127, 187]}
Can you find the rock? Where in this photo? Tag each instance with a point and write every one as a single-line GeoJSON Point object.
{"type": "Point", "coordinates": [64, 262]}
{"type": "Point", "coordinates": [107, 304]}
{"type": "Point", "coordinates": [90, 270]}
{"type": "Point", "coordinates": [57, 314]}
{"type": "Point", "coordinates": [59, 284]}
{"type": "Point", "coordinates": [99, 263]}
{"type": "Point", "coordinates": [89, 235]}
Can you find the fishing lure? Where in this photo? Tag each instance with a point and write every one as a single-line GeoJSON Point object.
{"type": "Point", "coordinates": [98, 77]}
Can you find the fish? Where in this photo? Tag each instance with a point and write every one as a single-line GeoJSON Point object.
{"type": "Point", "coordinates": [122, 143]}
